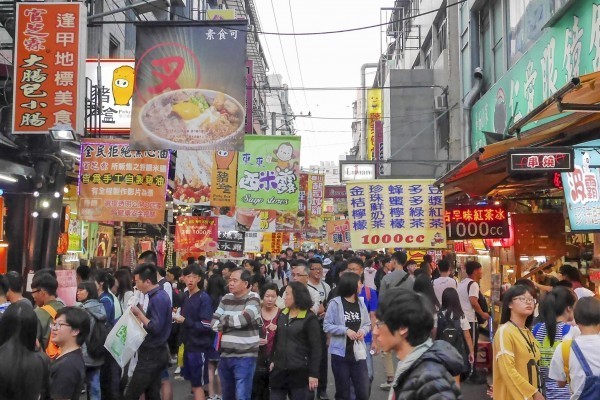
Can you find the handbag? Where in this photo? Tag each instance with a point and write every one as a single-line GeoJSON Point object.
{"type": "Point", "coordinates": [125, 338]}
{"type": "Point", "coordinates": [360, 350]}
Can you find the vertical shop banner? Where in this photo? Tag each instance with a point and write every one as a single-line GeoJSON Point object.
{"type": "Point", "coordinates": [582, 188]}
{"type": "Point", "coordinates": [315, 192]}
{"type": "Point", "coordinates": [119, 184]}
{"type": "Point", "coordinates": [249, 96]}
{"type": "Point", "coordinates": [302, 193]}
{"type": "Point", "coordinates": [231, 241]}
{"type": "Point", "coordinates": [268, 173]}
{"type": "Point", "coordinates": [407, 213]}
{"type": "Point", "coordinates": [193, 177]}
{"type": "Point", "coordinates": [197, 233]}
{"type": "Point", "coordinates": [104, 241]}
{"type": "Point", "coordinates": [338, 234]}
{"type": "Point", "coordinates": [272, 242]}
{"type": "Point", "coordinates": [49, 66]}
{"type": "Point", "coordinates": [252, 242]}
{"type": "Point", "coordinates": [224, 179]}
{"type": "Point", "coordinates": [379, 148]}
{"type": "Point", "coordinates": [190, 86]}
{"type": "Point", "coordinates": [373, 115]}
{"type": "Point", "coordinates": [115, 91]}
{"type": "Point", "coordinates": [75, 235]}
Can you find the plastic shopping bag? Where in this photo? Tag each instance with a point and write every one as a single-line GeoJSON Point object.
{"type": "Point", "coordinates": [125, 338]}
{"type": "Point", "coordinates": [360, 350]}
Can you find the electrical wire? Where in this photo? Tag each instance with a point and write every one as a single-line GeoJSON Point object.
{"type": "Point", "coordinates": [361, 28]}
{"type": "Point", "coordinates": [424, 115]}
{"type": "Point", "coordinates": [297, 55]}
{"type": "Point", "coordinates": [333, 88]}
{"type": "Point", "coordinates": [282, 51]}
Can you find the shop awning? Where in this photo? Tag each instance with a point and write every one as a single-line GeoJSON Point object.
{"type": "Point", "coordinates": [485, 171]}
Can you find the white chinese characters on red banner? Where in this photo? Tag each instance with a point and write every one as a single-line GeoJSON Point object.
{"type": "Point", "coordinates": [49, 65]}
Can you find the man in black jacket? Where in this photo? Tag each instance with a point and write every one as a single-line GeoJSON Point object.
{"type": "Point", "coordinates": [425, 368]}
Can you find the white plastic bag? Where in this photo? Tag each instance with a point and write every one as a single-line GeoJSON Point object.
{"type": "Point", "coordinates": [360, 350]}
{"type": "Point", "coordinates": [125, 338]}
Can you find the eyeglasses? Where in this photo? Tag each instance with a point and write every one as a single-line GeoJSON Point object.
{"type": "Point", "coordinates": [526, 300]}
{"type": "Point", "coordinates": [297, 275]}
{"type": "Point", "coordinates": [379, 324]}
{"type": "Point", "coordinates": [57, 325]}
{"type": "Point", "coordinates": [35, 291]}
{"type": "Point", "coordinates": [316, 269]}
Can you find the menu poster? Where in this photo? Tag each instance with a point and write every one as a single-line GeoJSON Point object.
{"type": "Point", "coordinates": [196, 233]}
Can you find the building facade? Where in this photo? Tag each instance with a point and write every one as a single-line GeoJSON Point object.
{"type": "Point", "coordinates": [279, 109]}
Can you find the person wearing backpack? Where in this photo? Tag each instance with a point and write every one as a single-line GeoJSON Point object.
{"type": "Point", "coordinates": [453, 327]}
{"type": "Point", "coordinates": [110, 374]}
{"type": "Point", "coordinates": [556, 313]}
{"type": "Point", "coordinates": [93, 354]}
{"type": "Point", "coordinates": [43, 291]}
{"type": "Point", "coordinates": [577, 361]}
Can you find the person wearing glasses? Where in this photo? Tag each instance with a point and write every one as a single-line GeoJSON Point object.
{"type": "Point", "coordinates": [300, 274]}
{"type": "Point", "coordinates": [516, 351]}
{"type": "Point", "coordinates": [67, 373]}
{"type": "Point", "coordinates": [43, 291]}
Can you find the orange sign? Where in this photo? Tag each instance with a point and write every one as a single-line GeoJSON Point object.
{"type": "Point", "coordinates": [119, 184]}
{"type": "Point", "coordinates": [49, 66]}
{"type": "Point", "coordinates": [272, 242]}
{"type": "Point", "coordinates": [338, 234]}
{"type": "Point", "coordinates": [224, 179]}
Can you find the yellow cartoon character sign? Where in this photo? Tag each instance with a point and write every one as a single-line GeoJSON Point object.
{"type": "Point", "coordinates": [122, 85]}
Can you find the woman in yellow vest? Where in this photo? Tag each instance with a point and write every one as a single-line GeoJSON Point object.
{"type": "Point", "coordinates": [516, 352]}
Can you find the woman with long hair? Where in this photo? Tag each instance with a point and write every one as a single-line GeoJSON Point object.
{"type": "Point", "coordinates": [125, 286]}
{"type": "Point", "coordinates": [451, 315]}
{"type": "Point", "coordinates": [87, 296]}
{"type": "Point", "coordinates": [556, 314]}
{"type": "Point", "coordinates": [23, 370]}
{"type": "Point", "coordinates": [297, 349]}
{"type": "Point", "coordinates": [424, 286]}
{"type": "Point", "coordinates": [516, 352]}
{"type": "Point", "coordinates": [269, 314]}
{"type": "Point", "coordinates": [347, 322]}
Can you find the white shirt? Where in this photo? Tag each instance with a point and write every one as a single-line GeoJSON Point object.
{"type": "Point", "coordinates": [582, 292]}
{"type": "Point", "coordinates": [465, 302]}
{"type": "Point", "coordinates": [442, 283]}
{"type": "Point", "coordinates": [370, 277]}
{"type": "Point", "coordinates": [589, 347]}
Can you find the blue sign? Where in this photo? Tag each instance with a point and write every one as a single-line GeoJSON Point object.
{"type": "Point", "coordinates": [582, 188]}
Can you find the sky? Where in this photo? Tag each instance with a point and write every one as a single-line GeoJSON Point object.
{"type": "Point", "coordinates": [332, 60]}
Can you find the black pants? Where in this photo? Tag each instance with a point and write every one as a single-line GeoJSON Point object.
{"type": "Point", "coordinates": [146, 376]}
{"type": "Point", "coordinates": [323, 366]}
{"type": "Point", "coordinates": [474, 331]}
{"type": "Point", "coordinates": [110, 376]}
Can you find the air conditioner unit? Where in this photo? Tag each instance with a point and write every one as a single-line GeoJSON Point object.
{"type": "Point", "coordinates": [440, 103]}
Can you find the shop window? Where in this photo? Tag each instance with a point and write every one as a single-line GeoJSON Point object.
{"type": "Point", "coordinates": [113, 47]}
{"type": "Point", "coordinates": [442, 33]}
{"type": "Point", "coordinates": [526, 21]}
{"type": "Point", "coordinates": [465, 55]}
{"type": "Point", "coordinates": [491, 37]}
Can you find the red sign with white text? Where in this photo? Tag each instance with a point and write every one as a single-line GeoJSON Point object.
{"type": "Point", "coordinates": [476, 221]}
{"type": "Point", "coordinates": [196, 233]}
{"type": "Point", "coordinates": [49, 66]}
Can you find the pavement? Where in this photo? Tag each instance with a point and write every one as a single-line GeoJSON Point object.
{"type": "Point", "coordinates": [181, 388]}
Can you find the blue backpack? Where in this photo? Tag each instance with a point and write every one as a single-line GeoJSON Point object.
{"type": "Point", "coordinates": [591, 387]}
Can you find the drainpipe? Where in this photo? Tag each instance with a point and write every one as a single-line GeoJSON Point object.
{"type": "Point", "coordinates": [363, 85]}
{"type": "Point", "coordinates": [468, 102]}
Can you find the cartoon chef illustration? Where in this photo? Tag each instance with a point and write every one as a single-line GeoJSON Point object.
{"type": "Point", "coordinates": [122, 85]}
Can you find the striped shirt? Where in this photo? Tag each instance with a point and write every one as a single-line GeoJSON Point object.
{"type": "Point", "coordinates": [553, 391]}
{"type": "Point", "coordinates": [238, 320]}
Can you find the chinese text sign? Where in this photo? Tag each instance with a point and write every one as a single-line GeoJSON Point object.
{"type": "Point", "coordinates": [196, 234]}
{"type": "Point", "coordinates": [224, 176]}
{"type": "Point", "coordinates": [338, 234]}
{"type": "Point", "coordinates": [406, 213]}
{"type": "Point", "coordinates": [476, 222]}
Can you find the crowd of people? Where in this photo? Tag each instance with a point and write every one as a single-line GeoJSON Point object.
{"type": "Point", "coordinates": [274, 327]}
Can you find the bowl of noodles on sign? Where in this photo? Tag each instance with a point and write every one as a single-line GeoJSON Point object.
{"type": "Point", "coordinates": [192, 119]}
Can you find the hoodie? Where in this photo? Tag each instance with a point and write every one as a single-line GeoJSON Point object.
{"type": "Point", "coordinates": [431, 376]}
{"type": "Point", "coordinates": [97, 314]}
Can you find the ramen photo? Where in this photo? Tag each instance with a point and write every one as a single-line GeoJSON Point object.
{"type": "Point", "coordinates": [192, 117]}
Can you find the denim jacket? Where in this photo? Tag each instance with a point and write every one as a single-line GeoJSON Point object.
{"type": "Point", "coordinates": [335, 325]}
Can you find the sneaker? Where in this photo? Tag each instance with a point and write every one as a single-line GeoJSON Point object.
{"type": "Point", "coordinates": [178, 370]}
{"type": "Point", "coordinates": [386, 385]}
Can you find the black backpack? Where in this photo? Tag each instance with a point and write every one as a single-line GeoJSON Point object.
{"type": "Point", "coordinates": [450, 331]}
{"type": "Point", "coordinates": [482, 303]}
{"type": "Point", "coordinates": [97, 338]}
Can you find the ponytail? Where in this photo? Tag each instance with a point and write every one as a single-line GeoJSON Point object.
{"type": "Point", "coordinates": [554, 305]}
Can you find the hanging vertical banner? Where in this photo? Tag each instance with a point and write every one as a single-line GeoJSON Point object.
{"type": "Point", "coordinates": [272, 242]}
{"type": "Point", "coordinates": [195, 233]}
{"type": "Point", "coordinates": [373, 115]}
{"type": "Point", "coordinates": [75, 235]}
{"type": "Point", "coordinates": [231, 241]}
{"type": "Point", "coordinates": [49, 66]}
{"type": "Point", "coordinates": [118, 184]}
{"type": "Point", "coordinates": [302, 194]}
{"type": "Point", "coordinates": [104, 241]}
{"type": "Point", "coordinates": [190, 86]}
{"type": "Point", "coordinates": [379, 148]}
{"type": "Point", "coordinates": [407, 213]}
{"type": "Point", "coordinates": [315, 192]}
{"type": "Point", "coordinates": [338, 234]}
{"type": "Point", "coordinates": [193, 177]}
{"type": "Point", "coordinates": [249, 96]}
{"type": "Point", "coordinates": [268, 173]}
{"type": "Point", "coordinates": [116, 90]}
{"type": "Point", "coordinates": [224, 174]}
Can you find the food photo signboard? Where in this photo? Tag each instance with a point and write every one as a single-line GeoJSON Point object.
{"type": "Point", "coordinates": [195, 233]}
{"type": "Point", "coordinates": [193, 177]}
{"type": "Point", "coordinates": [190, 86]}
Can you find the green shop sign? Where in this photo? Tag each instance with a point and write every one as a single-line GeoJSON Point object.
{"type": "Point", "coordinates": [570, 48]}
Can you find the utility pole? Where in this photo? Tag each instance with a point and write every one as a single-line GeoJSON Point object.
{"type": "Point", "coordinates": [273, 122]}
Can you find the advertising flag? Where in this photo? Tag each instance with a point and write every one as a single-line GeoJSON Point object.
{"type": "Point", "coordinates": [338, 234]}
{"type": "Point", "coordinates": [224, 174]}
{"type": "Point", "coordinates": [193, 177]}
{"type": "Point", "coordinates": [119, 184]}
{"type": "Point", "coordinates": [407, 213]}
{"type": "Point", "coordinates": [374, 108]}
{"type": "Point", "coordinates": [117, 78]}
{"type": "Point", "coordinates": [196, 233]}
{"type": "Point", "coordinates": [190, 86]}
{"type": "Point", "coordinates": [314, 200]}
{"type": "Point", "coordinates": [268, 172]}
{"type": "Point", "coordinates": [49, 66]}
